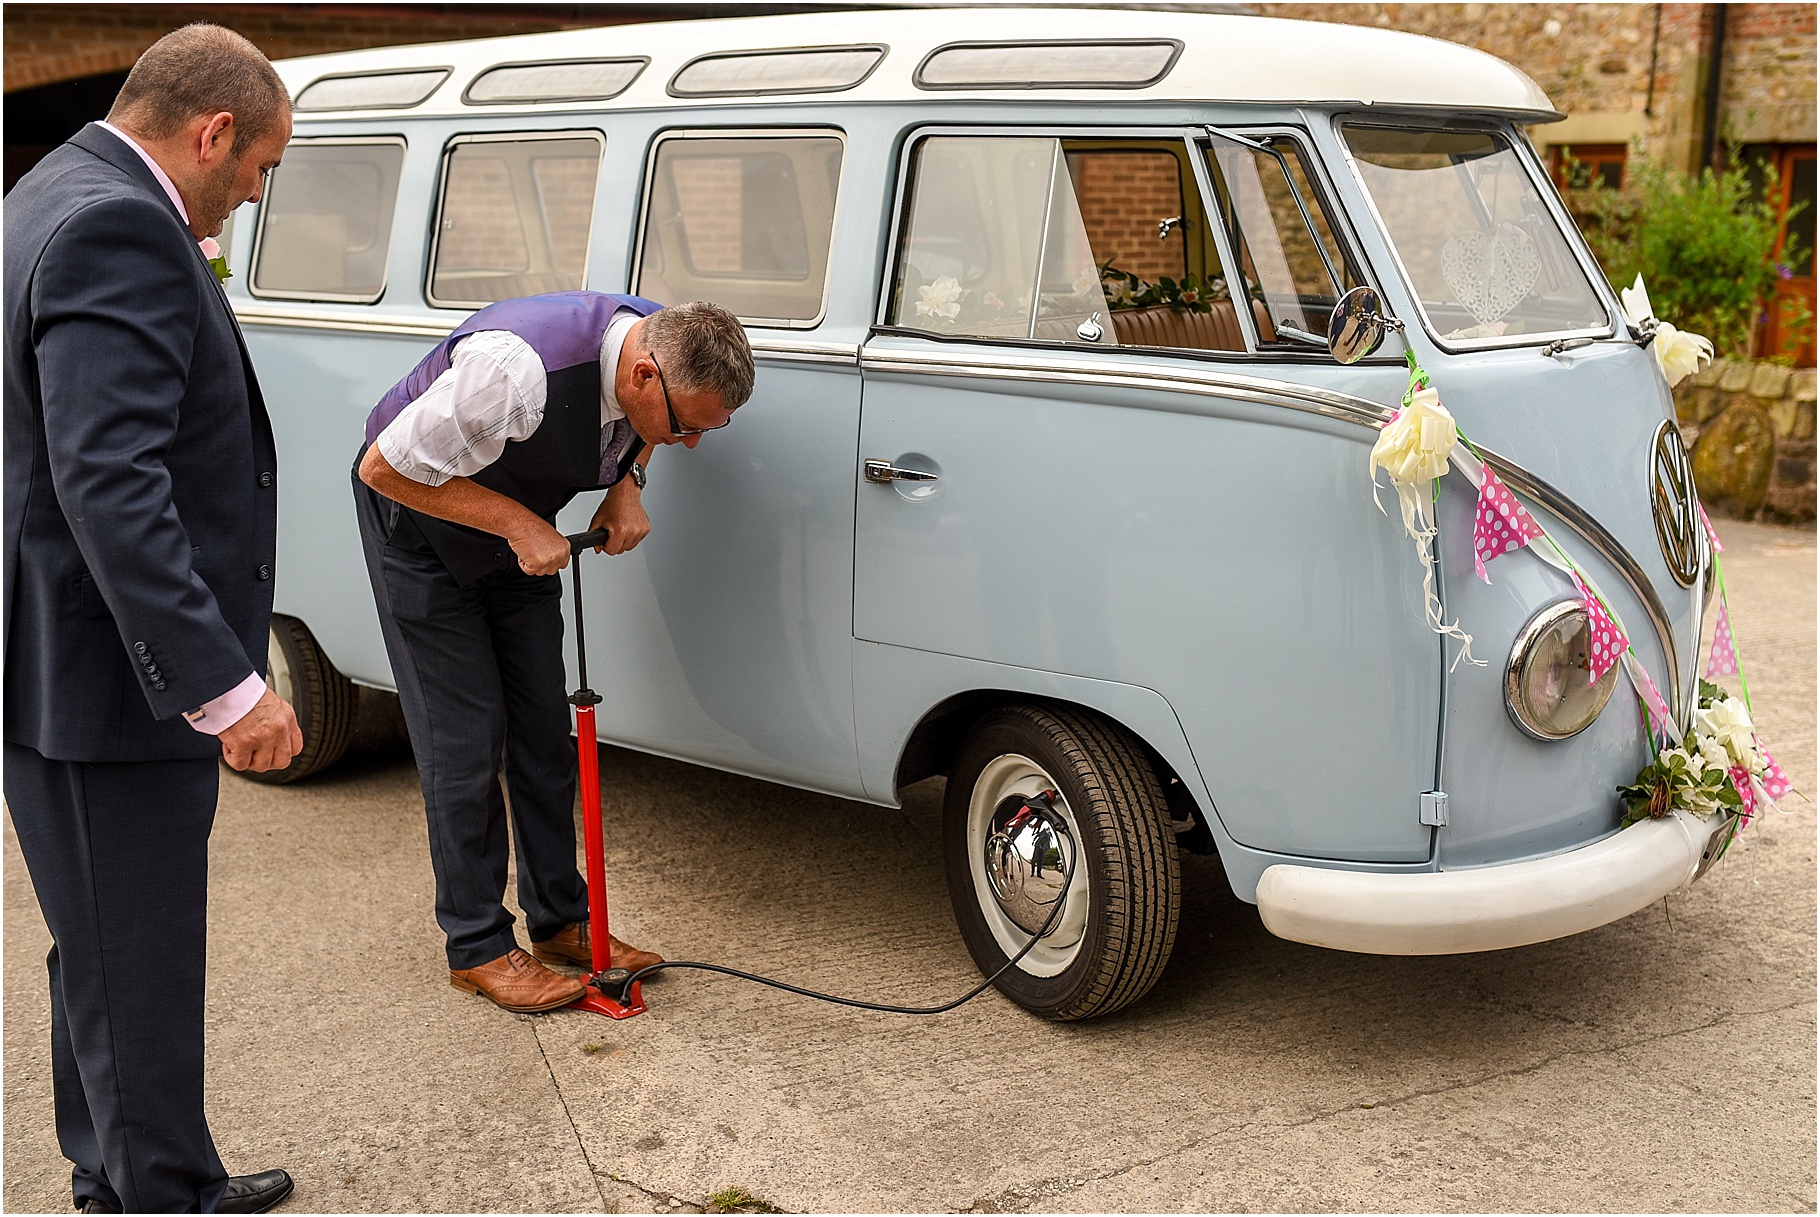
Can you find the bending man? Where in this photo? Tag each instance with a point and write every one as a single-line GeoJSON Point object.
{"type": "Point", "coordinates": [468, 459]}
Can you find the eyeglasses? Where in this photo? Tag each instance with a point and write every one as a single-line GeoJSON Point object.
{"type": "Point", "coordinates": [676, 427]}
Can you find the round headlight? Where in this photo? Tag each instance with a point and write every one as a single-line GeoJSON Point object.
{"type": "Point", "coordinates": [1548, 686]}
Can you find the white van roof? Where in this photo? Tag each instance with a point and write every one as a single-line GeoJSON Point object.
{"type": "Point", "coordinates": [1225, 58]}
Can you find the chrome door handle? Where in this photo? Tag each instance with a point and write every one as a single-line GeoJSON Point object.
{"type": "Point", "coordinates": [884, 473]}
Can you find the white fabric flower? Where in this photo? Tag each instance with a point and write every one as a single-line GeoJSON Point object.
{"type": "Point", "coordinates": [1678, 353]}
{"type": "Point", "coordinates": [940, 299]}
{"type": "Point", "coordinates": [1415, 444]}
{"type": "Point", "coordinates": [1712, 753]}
{"type": "Point", "coordinates": [1728, 723]}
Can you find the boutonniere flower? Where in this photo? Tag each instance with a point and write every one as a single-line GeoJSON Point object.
{"type": "Point", "coordinates": [1678, 352]}
{"type": "Point", "coordinates": [211, 249]}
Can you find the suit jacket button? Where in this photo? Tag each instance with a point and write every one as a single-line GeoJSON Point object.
{"type": "Point", "coordinates": [140, 647]}
{"type": "Point", "coordinates": [265, 479]}
{"type": "Point", "coordinates": [158, 685]}
{"type": "Point", "coordinates": [498, 557]}
{"type": "Point", "coordinates": [265, 572]}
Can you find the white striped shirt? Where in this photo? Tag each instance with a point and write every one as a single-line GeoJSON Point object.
{"type": "Point", "coordinates": [492, 393]}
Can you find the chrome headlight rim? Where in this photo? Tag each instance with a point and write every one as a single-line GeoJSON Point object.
{"type": "Point", "coordinates": [1523, 650]}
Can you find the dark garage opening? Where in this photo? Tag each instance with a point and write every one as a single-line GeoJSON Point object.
{"type": "Point", "coordinates": [39, 119]}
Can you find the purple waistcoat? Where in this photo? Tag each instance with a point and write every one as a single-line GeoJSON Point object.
{"type": "Point", "coordinates": [567, 453]}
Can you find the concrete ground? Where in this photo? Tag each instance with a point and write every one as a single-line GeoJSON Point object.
{"type": "Point", "coordinates": [1663, 1063]}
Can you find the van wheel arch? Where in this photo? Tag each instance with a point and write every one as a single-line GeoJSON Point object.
{"type": "Point", "coordinates": [935, 745]}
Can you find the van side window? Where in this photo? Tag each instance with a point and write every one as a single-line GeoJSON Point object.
{"type": "Point", "coordinates": [1063, 240]}
{"type": "Point", "coordinates": [1296, 280]}
{"type": "Point", "coordinates": [743, 222]}
{"type": "Point", "coordinates": [514, 218]}
{"type": "Point", "coordinates": [325, 223]}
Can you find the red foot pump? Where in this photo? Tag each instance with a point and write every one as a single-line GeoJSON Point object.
{"type": "Point", "coordinates": [605, 979]}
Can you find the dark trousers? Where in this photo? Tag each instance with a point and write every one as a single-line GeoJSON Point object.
{"type": "Point", "coordinates": [480, 678]}
{"type": "Point", "coordinates": [118, 854]}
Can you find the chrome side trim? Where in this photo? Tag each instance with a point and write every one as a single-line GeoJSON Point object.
{"type": "Point", "coordinates": [1203, 383]}
{"type": "Point", "coordinates": [366, 324]}
{"type": "Point", "coordinates": [774, 350]}
{"type": "Point", "coordinates": [769, 349]}
{"type": "Point", "coordinates": [1594, 533]}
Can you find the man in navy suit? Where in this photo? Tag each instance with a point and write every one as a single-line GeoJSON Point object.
{"type": "Point", "coordinates": [140, 519]}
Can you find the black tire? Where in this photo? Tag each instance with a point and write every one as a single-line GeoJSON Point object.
{"type": "Point", "coordinates": [322, 697]}
{"type": "Point", "coordinates": [1127, 853]}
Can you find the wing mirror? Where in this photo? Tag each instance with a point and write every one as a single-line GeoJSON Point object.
{"type": "Point", "coordinates": [1358, 325]}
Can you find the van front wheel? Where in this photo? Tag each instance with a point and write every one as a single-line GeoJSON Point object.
{"type": "Point", "coordinates": [298, 671]}
{"type": "Point", "coordinates": [1117, 926]}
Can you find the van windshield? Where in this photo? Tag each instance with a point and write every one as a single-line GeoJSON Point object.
{"type": "Point", "coordinates": [1480, 246]}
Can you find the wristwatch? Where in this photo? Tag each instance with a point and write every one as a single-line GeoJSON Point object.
{"type": "Point", "coordinates": [638, 475]}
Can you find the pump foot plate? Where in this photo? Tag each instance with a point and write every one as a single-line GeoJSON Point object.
{"type": "Point", "coordinates": [599, 1003]}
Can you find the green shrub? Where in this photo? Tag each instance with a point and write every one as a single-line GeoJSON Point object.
{"type": "Point", "coordinates": [1701, 244]}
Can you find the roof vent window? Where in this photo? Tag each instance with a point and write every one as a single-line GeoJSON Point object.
{"type": "Point", "coordinates": [804, 70]}
{"type": "Point", "coordinates": [371, 90]}
{"type": "Point", "coordinates": [1047, 65]}
{"type": "Point", "coordinates": [572, 80]}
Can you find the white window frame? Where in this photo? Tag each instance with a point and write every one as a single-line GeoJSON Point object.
{"type": "Point", "coordinates": [442, 189]}
{"type": "Point", "coordinates": [367, 141]}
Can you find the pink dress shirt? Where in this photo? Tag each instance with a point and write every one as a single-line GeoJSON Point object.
{"type": "Point", "coordinates": [217, 714]}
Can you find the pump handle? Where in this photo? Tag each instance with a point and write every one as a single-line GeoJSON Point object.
{"type": "Point", "coordinates": [586, 540]}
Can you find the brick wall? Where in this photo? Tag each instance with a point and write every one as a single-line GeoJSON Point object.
{"type": "Point", "coordinates": [1593, 61]}
{"type": "Point", "coordinates": [52, 42]}
{"type": "Point", "coordinates": [1122, 195]}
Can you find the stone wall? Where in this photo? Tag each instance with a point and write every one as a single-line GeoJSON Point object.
{"type": "Point", "coordinates": [1622, 78]}
{"type": "Point", "coordinates": [1750, 427]}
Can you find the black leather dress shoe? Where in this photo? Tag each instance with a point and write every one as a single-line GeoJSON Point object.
{"type": "Point", "coordinates": [243, 1194]}
{"type": "Point", "coordinates": [255, 1193]}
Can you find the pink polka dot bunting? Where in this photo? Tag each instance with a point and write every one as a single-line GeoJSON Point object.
{"type": "Point", "coordinates": [1658, 705]}
{"type": "Point", "coordinates": [1711, 535]}
{"type": "Point", "coordinates": [1748, 797]}
{"type": "Point", "coordinates": [1775, 784]}
{"type": "Point", "coordinates": [1724, 658]}
{"type": "Point", "coordinates": [1501, 523]}
{"type": "Point", "coordinates": [1605, 641]}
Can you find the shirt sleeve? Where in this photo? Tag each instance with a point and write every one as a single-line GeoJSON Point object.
{"type": "Point", "coordinates": [219, 713]}
{"type": "Point", "coordinates": [492, 393]}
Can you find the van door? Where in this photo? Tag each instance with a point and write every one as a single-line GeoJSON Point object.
{"type": "Point", "coordinates": [1074, 460]}
{"type": "Point", "coordinates": [728, 631]}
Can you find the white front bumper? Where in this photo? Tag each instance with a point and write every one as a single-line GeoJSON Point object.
{"type": "Point", "coordinates": [1487, 908]}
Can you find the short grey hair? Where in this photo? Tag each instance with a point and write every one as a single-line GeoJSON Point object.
{"type": "Point", "coordinates": [201, 69]}
{"type": "Point", "coordinates": [704, 350]}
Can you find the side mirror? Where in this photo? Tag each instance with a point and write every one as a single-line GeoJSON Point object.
{"type": "Point", "coordinates": [1358, 325]}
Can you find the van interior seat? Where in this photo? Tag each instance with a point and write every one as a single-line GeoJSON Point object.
{"type": "Point", "coordinates": [1161, 325]}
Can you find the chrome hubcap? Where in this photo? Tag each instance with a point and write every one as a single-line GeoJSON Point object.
{"type": "Point", "coordinates": [1018, 863]}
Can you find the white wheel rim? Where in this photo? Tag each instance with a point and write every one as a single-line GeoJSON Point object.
{"type": "Point", "coordinates": [1004, 776]}
{"type": "Point", "coordinates": [277, 670]}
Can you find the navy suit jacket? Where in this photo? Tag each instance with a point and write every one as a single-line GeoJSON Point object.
{"type": "Point", "coordinates": [141, 476]}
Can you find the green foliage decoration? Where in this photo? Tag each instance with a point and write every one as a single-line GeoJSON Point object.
{"type": "Point", "coordinates": [1703, 245]}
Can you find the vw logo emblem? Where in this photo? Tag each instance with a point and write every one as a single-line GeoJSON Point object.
{"type": "Point", "coordinates": [1676, 505]}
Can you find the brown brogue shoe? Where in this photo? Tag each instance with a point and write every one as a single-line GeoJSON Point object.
{"type": "Point", "coordinates": [518, 983]}
{"type": "Point", "coordinates": [571, 945]}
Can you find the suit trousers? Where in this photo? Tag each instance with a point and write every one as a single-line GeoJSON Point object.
{"type": "Point", "coordinates": [118, 855]}
{"type": "Point", "coordinates": [481, 682]}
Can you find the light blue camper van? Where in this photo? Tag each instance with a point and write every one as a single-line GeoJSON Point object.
{"type": "Point", "coordinates": [1051, 481]}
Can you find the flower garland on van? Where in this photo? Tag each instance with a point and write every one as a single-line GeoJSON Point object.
{"type": "Point", "coordinates": [1720, 765]}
